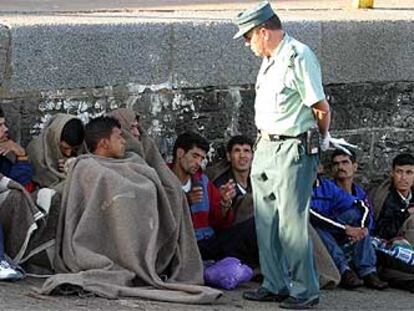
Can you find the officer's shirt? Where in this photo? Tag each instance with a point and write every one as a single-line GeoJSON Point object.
{"type": "Point", "coordinates": [288, 84]}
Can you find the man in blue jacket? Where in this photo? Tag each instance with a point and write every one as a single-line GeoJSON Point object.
{"type": "Point", "coordinates": [344, 166]}
{"type": "Point", "coordinates": [342, 222]}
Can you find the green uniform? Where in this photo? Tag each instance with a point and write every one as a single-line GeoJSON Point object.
{"type": "Point", "coordinates": [288, 84]}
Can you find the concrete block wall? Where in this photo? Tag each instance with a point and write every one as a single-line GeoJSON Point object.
{"type": "Point", "coordinates": [186, 72]}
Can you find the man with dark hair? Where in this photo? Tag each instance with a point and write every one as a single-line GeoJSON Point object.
{"type": "Point", "coordinates": [60, 140]}
{"type": "Point", "coordinates": [103, 137]}
{"type": "Point", "coordinates": [342, 222]}
{"type": "Point", "coordinates": [236, 169]}
{"type": "Point", "coordinates": [210, 207]}
{"type": "Point", "coordinates": [289, 105]}
{"type": "Point", "coordinates": [395, 201]}
{"type": "Point", "coordinates": [13, 158]}
{"type": "Point", "coordinates": [344, 166]}
{"type": "Point", "coordinates": [394, 210]}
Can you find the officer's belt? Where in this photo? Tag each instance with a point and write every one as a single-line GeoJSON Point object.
{"type": "Point", "coordinates": [276, 137]}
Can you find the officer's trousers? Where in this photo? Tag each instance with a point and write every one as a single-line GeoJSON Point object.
{"type": "Point", "coordinates": [282, 177]}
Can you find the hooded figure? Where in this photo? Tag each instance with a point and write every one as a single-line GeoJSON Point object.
{"type": "Point", "coordinates": [58, 141]}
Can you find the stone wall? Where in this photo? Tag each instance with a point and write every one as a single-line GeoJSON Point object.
{"type": "Point", "coordinates": [378, 117]}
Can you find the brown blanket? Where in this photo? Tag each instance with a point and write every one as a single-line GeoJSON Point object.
{"type": "Point", "coordinates": [118, 235]}
{"type": "Point", "coordinates": [147, 149]}
{"type": "Point", "coordinates": [20, 218]}
{"type": "Point", "coordinates": [44, 153]}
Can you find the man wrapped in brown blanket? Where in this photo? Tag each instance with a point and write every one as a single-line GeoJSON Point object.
{"type": "Point", "coordinates": [121, 233]}
{"type": "Point", "coordinates": [60, 140]}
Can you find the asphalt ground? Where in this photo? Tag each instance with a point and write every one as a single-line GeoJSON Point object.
{"type": "Point", "coordinates": [22, 295]}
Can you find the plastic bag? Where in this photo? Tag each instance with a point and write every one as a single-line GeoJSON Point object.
{"type": "Point", "coordinates": [227, 273]}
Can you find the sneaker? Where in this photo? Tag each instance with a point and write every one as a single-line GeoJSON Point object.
{"type": "Point", "coordinates": [373, 281]}
{"type": "Point", "coordinates": [350, 280]}
{"type": "Point", "coordinates": [6, 271]}
{"type": "Point", "coordinates": [293, 303]}
{"type": "Point", "coordinates": [262, 294]}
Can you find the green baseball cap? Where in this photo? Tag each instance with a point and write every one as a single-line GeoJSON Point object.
{"type": "Point", "coordinates": [253, 17]}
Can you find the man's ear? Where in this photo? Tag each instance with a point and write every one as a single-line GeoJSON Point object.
{"type": "Point", "coordinates": [102, 144]}
{"type": "Point", "coordinates": [355, 166]}
{"type": "Point", "coordinates": [180, 153]}
{"type": "Point", "coordinates": [228, 156]}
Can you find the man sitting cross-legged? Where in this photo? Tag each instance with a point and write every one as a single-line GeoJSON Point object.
{"type": "Point", "coordinates": [236, 169]}
{"type": "Point", "coordinates": [118, 233]}
{"type": "Point", "coordinates": [342, 223]}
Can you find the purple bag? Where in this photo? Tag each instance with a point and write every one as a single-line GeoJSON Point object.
{"type": "Point", "coordinates": [227, 273]}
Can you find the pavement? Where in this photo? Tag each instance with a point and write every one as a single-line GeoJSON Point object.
{"type": "Point", "coordinates": [22, 296]}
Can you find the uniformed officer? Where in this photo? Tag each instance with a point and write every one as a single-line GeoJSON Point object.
{"type": "Point", "coordinates": [289, 103]}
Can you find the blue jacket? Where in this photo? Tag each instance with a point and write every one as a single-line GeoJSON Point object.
{"type": "Point", "coordinates": [360, 194]}
{"type": "Point", "coordinates": [20, 171]}
{"type": "Point", "coordinates": [330, 202]}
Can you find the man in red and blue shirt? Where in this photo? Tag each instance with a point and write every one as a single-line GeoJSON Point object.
{"type": "Point", "coordinates": [211, 211]}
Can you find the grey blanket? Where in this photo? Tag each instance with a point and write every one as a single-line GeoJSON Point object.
{"type": "Point", "coordinates": [44, 153]}
{"type": "Point", "coordinates": [118, 235]}
{"type": "Point", "coordinates": [20, 218]}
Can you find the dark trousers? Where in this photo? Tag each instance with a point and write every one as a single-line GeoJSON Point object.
{"type": "Point", "coordinates": [238, 241]}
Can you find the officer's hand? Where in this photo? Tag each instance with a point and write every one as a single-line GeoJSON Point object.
{"type": "Point", "coordinates": [195, 195]}
{"type": "Point", "coordinates": [325, 142]}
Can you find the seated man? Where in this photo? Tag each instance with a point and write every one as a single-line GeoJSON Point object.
{"type": "Point", "coordinates": [60, 139]}
{"type": "Point", "coordinates": [394, 206]}
{"type": "Point", "coordinates": [236, 168]}
{"type": "Point", "coordinates": [14, 164]}
{"type": "Point", "coordinates": [210, 207]}
{"type": "Point", "coordinates": [395, 201]}
{"type": "Point", "coordinates": [13, 158]}
{"type": "Point", "coordinates": [342, 223]}
{"type": "Point", "coordinates": [344, 167]}
{"type": "Point", "coordinates": [119, 234]}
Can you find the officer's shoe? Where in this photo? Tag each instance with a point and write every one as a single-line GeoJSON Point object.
{"type": "Point", "coordinates": [372, 281]}
{"type": "Point", "coordinates": [262, 294]}
{"type": "Point", "coordinates": [350, 280]}
{"type": "Point", "coordinates": [293, 303]}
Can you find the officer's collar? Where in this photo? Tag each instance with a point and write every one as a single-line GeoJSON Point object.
{"type": "Point", "coordinates": [280, 46]}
